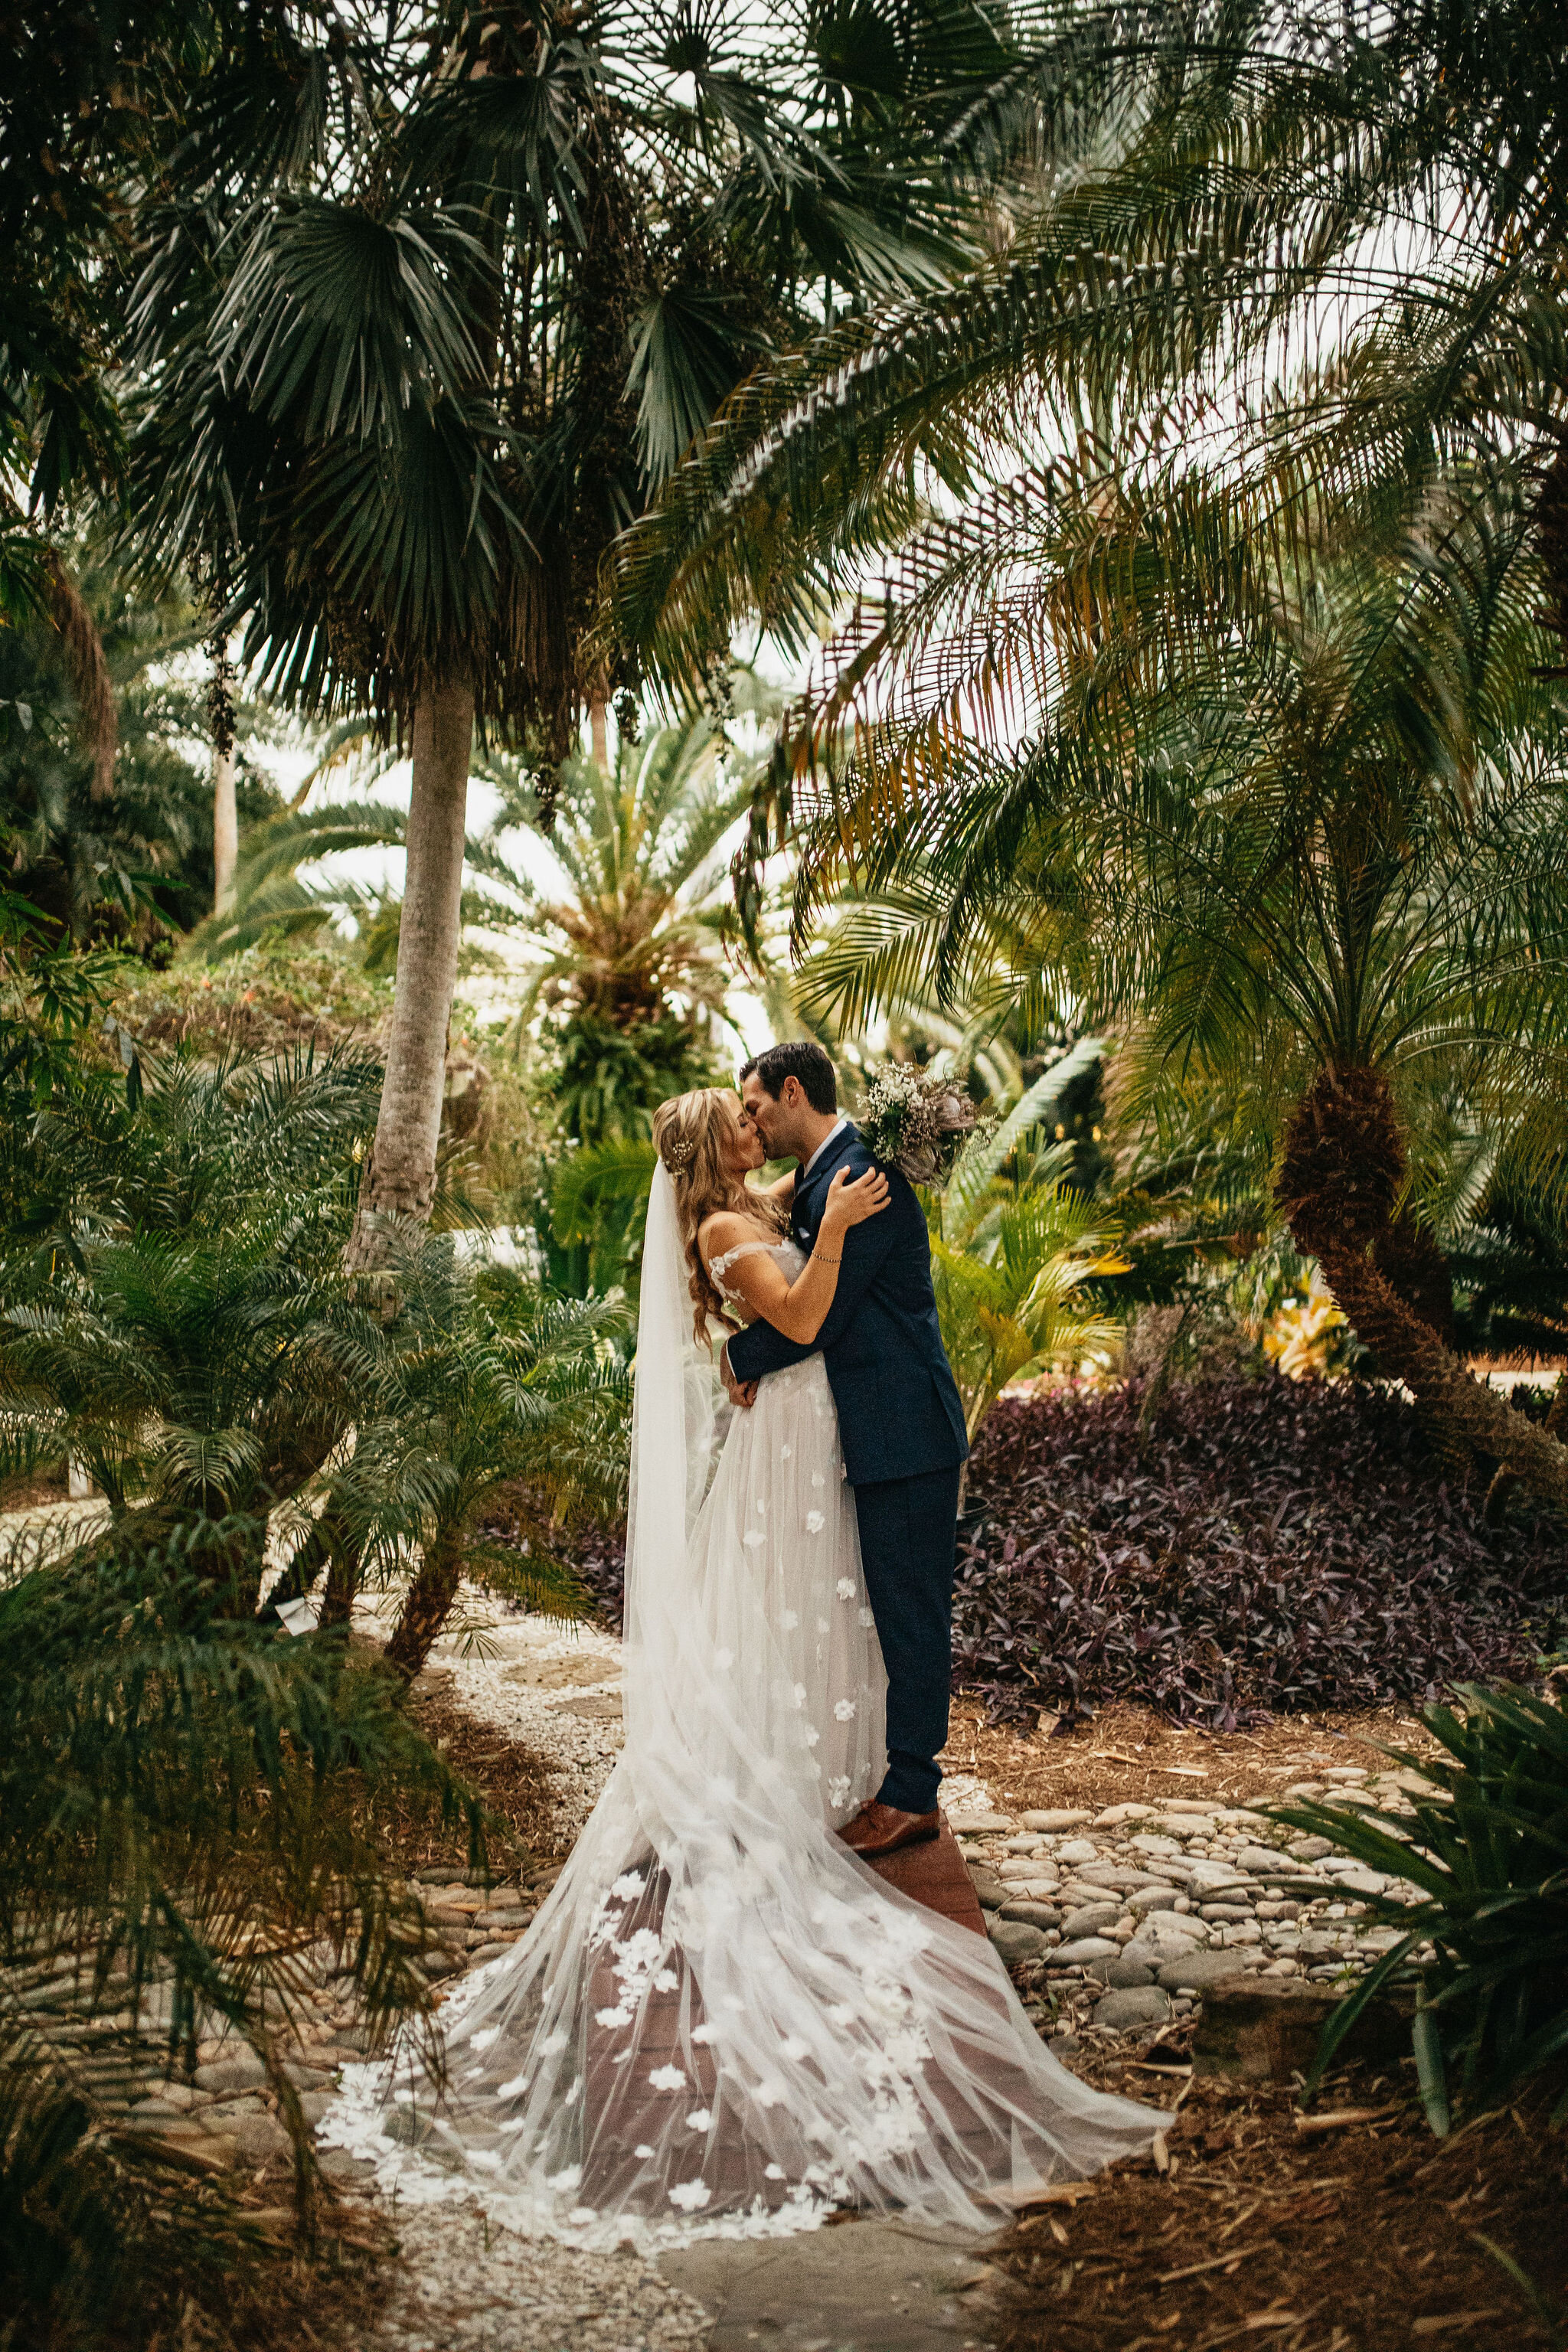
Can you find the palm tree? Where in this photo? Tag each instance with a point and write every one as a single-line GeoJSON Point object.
{"type": "Point", "coordinates": [623, 955]}
{"type": "Point", "coordinates": [1380, 191]}
{"type": "Point", "coordinates": [105, 816]}
{"type": "Point", "coordinates": [1309, 857]}
{"type": "Point", "coordinates": [403, 387]}
{"type": "Point", "coordinates": [1387, 198]}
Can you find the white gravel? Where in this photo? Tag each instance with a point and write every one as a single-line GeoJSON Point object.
{"type": "Point", "coordinates": [528, 1675]}
{"type": "Point", "coordinates": [463, 2285]}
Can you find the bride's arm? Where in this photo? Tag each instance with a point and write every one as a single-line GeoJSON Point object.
{"type": "Point", "coordinates": [798, 1308]}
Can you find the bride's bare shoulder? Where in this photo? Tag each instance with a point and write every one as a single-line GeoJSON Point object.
{"type": "Point", "coordinates": [723, 1231]}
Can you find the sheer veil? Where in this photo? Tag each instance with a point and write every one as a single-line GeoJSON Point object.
{"type": "Point", "coordinates": [720, 2020]}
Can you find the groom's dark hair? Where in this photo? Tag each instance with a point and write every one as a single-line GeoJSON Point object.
{"type": "Point", "coordinates": [802, 1059]}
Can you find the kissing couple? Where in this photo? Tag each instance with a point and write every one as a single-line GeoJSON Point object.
{"type": "Point", "coordinates": [722, 2021]}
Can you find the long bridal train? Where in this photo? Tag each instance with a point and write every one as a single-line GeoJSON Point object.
{"type": "Point", "coordinates": [721, 2022]}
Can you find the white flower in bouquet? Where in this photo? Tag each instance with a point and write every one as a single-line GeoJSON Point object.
{"type": "Point", "coordinates": [916, 1122]}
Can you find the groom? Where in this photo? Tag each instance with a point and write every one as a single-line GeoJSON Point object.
{"type": "Point", "coordinates": [900, 1422]}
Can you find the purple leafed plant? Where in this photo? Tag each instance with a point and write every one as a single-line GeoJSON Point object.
{"type": "Point", "coordinates": [1262, 1546]}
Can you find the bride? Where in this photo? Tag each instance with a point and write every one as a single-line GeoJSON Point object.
{"type": "Point", "coordinates": [721, 2021]}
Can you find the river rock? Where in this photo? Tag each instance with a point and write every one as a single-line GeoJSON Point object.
{"type": "Point", "coordinates": [1152, 1898]}
{"type": "Point", "coordinates": [243, 2071]}
{"type": "Point", "coordinates": [1082, 1949]}
{"type": "Point", "coordinates": [1262, 1861]}
{"type": "Point", "coordinates": [1128, 2009]}
{"type": "Point", "coordinates": [1015, 1941]}
{"type": "Point", "coordinates": [987, 1887]}
{"type": "Point", "coordinates": [1172, 1930]}
{"type": "Point", "coordinates": [1033, 1914]}
{"type": "Point", "coordinates": [1110, 1874]}
{"type": "Point", "coordinates": [1195, 1971]}
{"type": "Point", "coordinates": [1124, 1973]}
{"type": "Point", "coordinates": [1051, 1823]}
{"type": "Point", "coordinates": [1078, 1850]}
{"type": "Point", "coordinates": [1092, 1919]}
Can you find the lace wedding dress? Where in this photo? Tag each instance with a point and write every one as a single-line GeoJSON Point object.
{"type": "Point", "coordinates": [720, 2020]}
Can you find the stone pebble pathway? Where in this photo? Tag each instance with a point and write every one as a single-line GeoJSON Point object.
{"type": "Point", "coordinates": [1120, 1920]}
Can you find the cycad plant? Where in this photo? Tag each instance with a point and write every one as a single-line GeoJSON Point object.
{"type": "Point", "coordinates": [174, 1315]}
{"type": "Point", "coordinates": [1485, 1841]}
{"type": "Point", "coordinates": [1013, 1248]}
{"type": "Point", "coordinates": [479, 1383]}
{"type": "Point", "coordinates": [187, 1837]}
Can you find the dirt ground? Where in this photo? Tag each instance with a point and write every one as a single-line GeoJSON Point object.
{"type": "Point", "coordinates": [511, 1778]}
{"type": "Point", "coordinates": [1368, 2236]}
{"type": "Point", "coordinates": [1124, 1755]}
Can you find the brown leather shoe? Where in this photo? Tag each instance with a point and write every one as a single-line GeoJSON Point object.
{"type": "Point", "coordinates": [878, 1830]}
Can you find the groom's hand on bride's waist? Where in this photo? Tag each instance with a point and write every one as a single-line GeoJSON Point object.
{"type": "Point", "coordinates": [740, 1392]}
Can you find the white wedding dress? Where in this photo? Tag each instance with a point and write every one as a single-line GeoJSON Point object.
{"type": "Point", "coordinates": [720, 2020]}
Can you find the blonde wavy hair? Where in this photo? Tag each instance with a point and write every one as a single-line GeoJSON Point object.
{"type": "Point", "coordinates": [690, 1133]}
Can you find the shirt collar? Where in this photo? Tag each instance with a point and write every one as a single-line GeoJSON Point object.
{"type": "Point", "coordinates": [828, 1138]}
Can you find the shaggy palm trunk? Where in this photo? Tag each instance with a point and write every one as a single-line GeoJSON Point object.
{"type": "Point", "coordinates": [1342, 1171]}
{"type": "Point", "coordinates": [90, 681]}
{"type": "Point", "coordinates": [428, 1605]}
{"type": "Point", "coordinates": [1505, 1482]}
{"type": "Point", "coordinates": [399, 1181]}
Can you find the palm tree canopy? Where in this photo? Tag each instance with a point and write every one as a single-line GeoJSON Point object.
{"type": "Point", "coordinates": [401, 383]}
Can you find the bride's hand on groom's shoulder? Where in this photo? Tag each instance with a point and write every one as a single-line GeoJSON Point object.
{"type": "Point", "coordinates": [851, 1200]}
{"type": "Point", "coordinates": [740, 1392]}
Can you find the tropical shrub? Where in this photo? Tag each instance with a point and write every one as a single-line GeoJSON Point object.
{"type": "Point", "coordinates": [186, 1838]}
{"type": "Point", "coordinates": [1486, 1841]}
{"type": "Point", "coordinates": [173, 1315]}
{"type": "Point", "coordinates": [1010, 1261]}
{"type": "Point", "coordinates": [479, 1380]}
{"type": "Point", "coordinates": [1257, 1547]}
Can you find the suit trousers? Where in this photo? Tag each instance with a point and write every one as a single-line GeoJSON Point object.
{"type": "Point", "coordinates": [909, 1529]}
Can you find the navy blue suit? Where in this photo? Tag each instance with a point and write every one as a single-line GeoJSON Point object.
{"type": "Point", "coordinates": [901, 1428]}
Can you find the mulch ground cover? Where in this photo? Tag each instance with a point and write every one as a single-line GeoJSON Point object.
{"type": "Point", "coordinates": [512, 1780]}
{"type": "Point", "coordinates": [1124, 1754]}
{"type": "Point", "coordinates": [1357, 2237]}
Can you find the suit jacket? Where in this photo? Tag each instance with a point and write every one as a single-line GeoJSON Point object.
{"type": "Point", "coordinates": [899, 1410]}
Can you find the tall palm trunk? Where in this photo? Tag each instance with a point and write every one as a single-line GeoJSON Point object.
{"type": "Point", "coordinates": [226, 828]}
{"type": "Point", "coordinates": [399, 1181]}
{"type": "Point", "coordinates": [225, 816]}
{"type": "Point", "coordinates": [1340, 1173]}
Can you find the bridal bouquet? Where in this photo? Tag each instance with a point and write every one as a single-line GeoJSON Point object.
{"type": "Point", "coordinates": [916, 1123]}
